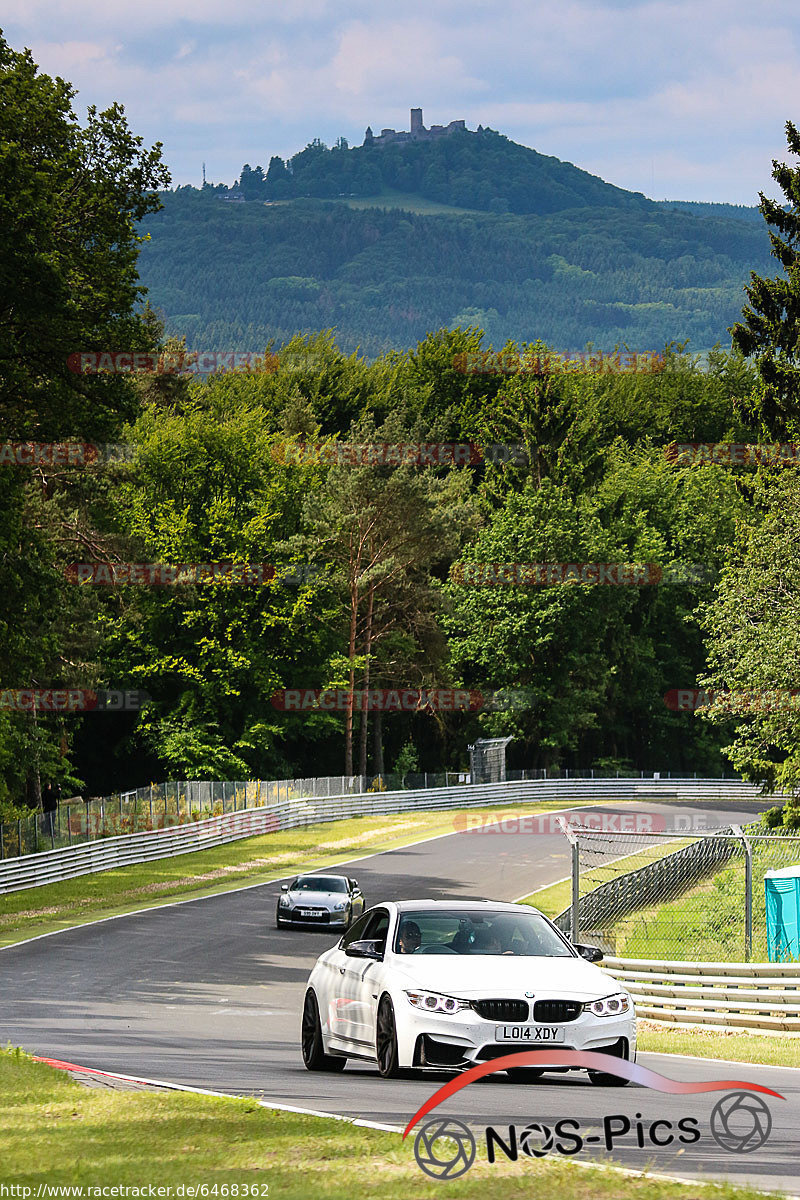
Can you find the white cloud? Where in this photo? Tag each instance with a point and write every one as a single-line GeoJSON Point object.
{"type": "Point", "coordinates": [688, 99]}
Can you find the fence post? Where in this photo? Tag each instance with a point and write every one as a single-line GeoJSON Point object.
{"type": "Point", "coordinates": [19, 836]}
{"type": "Point", "coordinates": [88, 834]}
{"type": "Point", "coordinates": [574, 916]}
{"type": "Point", "coordinates": [748, 892]}
{"type": "Point", "coordinates": [2, 843]}
{"type": "Point", "coordinates": [151, 806]}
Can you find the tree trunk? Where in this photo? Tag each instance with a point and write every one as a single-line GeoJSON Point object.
{"type": "Point", "coordinates": [365, 710]}
{"type": "Point", "coordinates": [348, 723]}
{"type": "Point", "coordinates": [377, 744]}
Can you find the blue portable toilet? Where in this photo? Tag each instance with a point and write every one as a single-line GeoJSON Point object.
{"type": "Point", "coordinates": [782, 890]}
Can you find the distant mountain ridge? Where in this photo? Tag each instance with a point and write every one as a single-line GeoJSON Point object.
{"type": "Point", "coordinates": [480, 170]}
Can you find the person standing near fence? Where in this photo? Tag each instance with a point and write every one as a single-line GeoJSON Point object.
{"type": "Point", "coordinates": [50, 797]}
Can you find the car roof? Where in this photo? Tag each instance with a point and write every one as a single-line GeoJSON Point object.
{"type": "Point", "coordinates": [458, 905]}
{"type": "Point", "coordinates": [319, 875]}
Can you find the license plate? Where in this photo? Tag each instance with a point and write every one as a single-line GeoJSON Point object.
{"type": "Point", "coordinates": [528, 1033]}
{"type": "Point", "coordinates": [307, 912]}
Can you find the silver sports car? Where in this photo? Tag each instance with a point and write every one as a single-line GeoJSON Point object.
{"type": "Point", "coordinates": [328, 901]}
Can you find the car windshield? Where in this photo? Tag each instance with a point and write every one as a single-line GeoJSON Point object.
{"type": "Point", "coordinates": [320, 883]}
{"type": "Point", "coordinates": [438, 931]}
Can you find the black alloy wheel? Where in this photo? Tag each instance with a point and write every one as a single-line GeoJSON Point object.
{"type": "Point", "coordinates": [605, 1078]}
{"type": "Point", "coordinates": [386, 1040]}
{"type": "Point", "coordinates": [314, 1056]}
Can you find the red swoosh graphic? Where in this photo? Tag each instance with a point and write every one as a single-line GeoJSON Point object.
{"type": "Point", "coordinates": [590, 1059]}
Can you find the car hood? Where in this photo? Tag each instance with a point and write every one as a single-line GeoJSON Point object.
{"type": "Point", "coordinates": [473, 976]}
{"type": "Point", "coordinates": [316, 897]}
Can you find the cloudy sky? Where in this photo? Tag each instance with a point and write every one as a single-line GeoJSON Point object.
{"type": "Point", "coordinates": [679, 100]}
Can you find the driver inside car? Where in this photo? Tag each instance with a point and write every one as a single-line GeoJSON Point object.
{"type": "Point", "coordinates": [408, 938]}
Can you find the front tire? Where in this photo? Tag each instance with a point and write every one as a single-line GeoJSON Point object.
{"type": "Point", "coordinates": [386, 1040]}
{"type": "Point", "coordinates": [605, 1078]}
{"type": "Point", "coordinates": [314, 1056]}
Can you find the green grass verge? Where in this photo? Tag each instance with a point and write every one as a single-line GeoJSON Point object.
{"type": "Point", "coordinates": [55, 1132]}
{"type": "Point", "coordinates": [719, 1043]}
{"type": "Point", "coordinates": [221, 869]}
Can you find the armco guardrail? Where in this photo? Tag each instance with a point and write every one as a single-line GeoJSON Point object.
{"type": "Point", "coordinates": [755, 996]}
{"type": "Point", "coordinates": [32, 870]}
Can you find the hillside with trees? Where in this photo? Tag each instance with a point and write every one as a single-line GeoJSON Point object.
{"type": "Point", "coordinates": [226, 275]}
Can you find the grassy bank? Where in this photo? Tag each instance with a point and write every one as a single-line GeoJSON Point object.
{"type": "Point", "coordinates": [55, 1132]}
{"type": "Point", "coordinates": [206, 872]}
{"type": "Point", "coordinates": [719, 1043]}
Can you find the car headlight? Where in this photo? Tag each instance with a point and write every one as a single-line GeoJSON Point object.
{"type": "Point", "coordinates": [609, 1006]}
{"type": "Point", "coordinates": [340, 906]}
{"type": "Point", "coordinates": [284, 902]}
{"type": "Point", "coordinates": [436, 1002]}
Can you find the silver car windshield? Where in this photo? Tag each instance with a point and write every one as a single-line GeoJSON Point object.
{"type": "Point", "coordinates": [319, 883]}
{"type": "Point", "coordinates": [526, 934]}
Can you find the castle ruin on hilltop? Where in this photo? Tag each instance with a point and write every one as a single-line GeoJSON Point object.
{"type": "Point", "coordinates": [417, 132]}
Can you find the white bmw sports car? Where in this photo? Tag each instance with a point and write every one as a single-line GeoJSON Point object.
{"type": "Point", "coordinates": [448, 984]}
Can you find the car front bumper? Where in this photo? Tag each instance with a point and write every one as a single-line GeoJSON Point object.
{"type": "Point", "coordinates": [328, 920]}
{"type": "Point", "coordinates": [425, 1039]}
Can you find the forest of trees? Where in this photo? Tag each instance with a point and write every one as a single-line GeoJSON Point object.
{"type": "Point", "coordinates": [217, 473]}
{"type": "Point", "coordinates": [242, 275]}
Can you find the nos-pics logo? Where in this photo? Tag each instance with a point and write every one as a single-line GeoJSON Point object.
{"type": "Point", "coordinates": [445, 1148]}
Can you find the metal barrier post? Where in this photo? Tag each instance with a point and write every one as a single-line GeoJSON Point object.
{"type": "Point", "coordinates": [574, 916]}
{"type": "Point", "coordinates": [748, 892]}
{"type": "Point", "coordinates": [19, 836]}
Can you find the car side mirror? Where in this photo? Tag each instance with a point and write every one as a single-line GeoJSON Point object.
{"type": "Point", "coordinates": [284, 887]}
{"type": "Point", "coordinates": [365, 949]}
{"type": "Point", "coordinates": [590, 953]}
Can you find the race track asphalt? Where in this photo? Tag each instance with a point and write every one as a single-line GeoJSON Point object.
{"type": "Point", "coordinates": [208, 993]}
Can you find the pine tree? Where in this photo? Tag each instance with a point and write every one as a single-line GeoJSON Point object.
{"type": "Point", "coordinates": [771, 329]}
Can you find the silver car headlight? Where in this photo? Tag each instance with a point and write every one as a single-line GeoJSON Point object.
{"type": "Point", "coordinates": [609, 1006]}
{"type": "Point", "coordinates": [435, 1002]}
{"type": "Point", "coordinates": [284, 902]}
{"type": "Point", "coordinates": [340, 905]}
